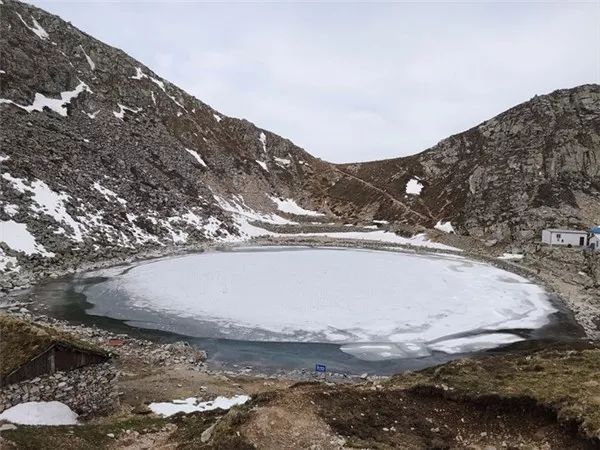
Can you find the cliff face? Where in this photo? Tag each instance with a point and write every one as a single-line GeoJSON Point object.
{"type": "Point", "coordinates": [99, 155]}
{"type": "Point", "coordinates": [533, 166]}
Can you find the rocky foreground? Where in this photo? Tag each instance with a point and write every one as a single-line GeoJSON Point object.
{"type": "Point", "coordinates": [537, 396]}
{"type": "Point", "coordinates": [546, 397]}
{"type": "Point", "coordinates": [102, 158]}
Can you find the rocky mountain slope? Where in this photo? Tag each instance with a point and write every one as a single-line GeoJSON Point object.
{"type": "Point", "coordinates": [99, 156]}
{"type": "Point", "coordinates": [531, 167]}
{"type": "Point", "coordinates": [98, 152]}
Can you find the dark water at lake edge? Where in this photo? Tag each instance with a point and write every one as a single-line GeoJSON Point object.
{"type": "Point", "coordinates": [65, 299]}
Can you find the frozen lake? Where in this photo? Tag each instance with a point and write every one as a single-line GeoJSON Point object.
{"type": "Point", "coordinates": [374, 306]}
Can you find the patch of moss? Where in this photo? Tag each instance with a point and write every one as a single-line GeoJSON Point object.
{"type": "Point", "coordinates": [81, 437]}
{"type": "Point", "coordinates": [564, 378]}
{"type": "Point", "coordinates": [374, 419]}
{"type": "Point", "coordinates": [227, 434]}
{"type": "Point", "coordinates": [20, 341]}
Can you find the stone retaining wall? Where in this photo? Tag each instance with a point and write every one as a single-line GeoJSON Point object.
{"type": "Point", "coordinates": [88, 391]}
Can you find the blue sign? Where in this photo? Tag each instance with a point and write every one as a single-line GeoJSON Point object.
{"type": "Point", "coordinates": [320, 368]}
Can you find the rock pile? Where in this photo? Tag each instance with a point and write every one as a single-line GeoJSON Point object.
{"type": "Point", "coordinates": [88, 391]}
{"type": "Point", "coordinates": [176, 354]}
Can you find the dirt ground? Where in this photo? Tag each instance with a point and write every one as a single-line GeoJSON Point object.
{"type": "Point", "coordinates": [140, 384]}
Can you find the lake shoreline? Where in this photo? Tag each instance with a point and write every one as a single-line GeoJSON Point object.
{"type": "Point", "coordinates": [557, 323]}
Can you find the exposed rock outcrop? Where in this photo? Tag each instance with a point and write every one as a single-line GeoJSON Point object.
{"type": "Point", "coordinates": [536, 165]}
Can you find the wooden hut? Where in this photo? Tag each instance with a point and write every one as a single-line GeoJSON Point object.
{"type": "Point", "coordinates": [29, 350]}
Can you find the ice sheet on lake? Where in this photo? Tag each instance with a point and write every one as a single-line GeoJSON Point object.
{"type": "Point", "coordinates": [403, 302]}
{"type": "Point", "coordinates": [474, 343]}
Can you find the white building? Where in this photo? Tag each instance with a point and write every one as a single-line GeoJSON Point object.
{"type": "Point", "coordinates": [595, 242]}
{"type": "Point", "coordinates": [594, 239]}
{"type": "Point", "coordinates": [568, 238]}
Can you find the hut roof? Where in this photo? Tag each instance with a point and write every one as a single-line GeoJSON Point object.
{"type": "Point", "coordinates": [21, 341]}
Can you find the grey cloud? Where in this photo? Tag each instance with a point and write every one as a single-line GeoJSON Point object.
{"type": "Point", "coordinates": [355, 81]}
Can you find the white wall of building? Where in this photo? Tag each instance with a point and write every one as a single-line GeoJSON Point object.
{"type": "Point", "coordinates": [566, 238]}
{"type": "Point", "coordinates": [595, 241]}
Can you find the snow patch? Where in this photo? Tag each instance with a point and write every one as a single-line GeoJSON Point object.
{"type": "Point", "coordinates": [262, 164]}
{"type": "Point", "coordinates": [242, 215]}
{"type": "Point", "coordinates": [290, 206]}
{"type": "Point", "coordinates": [192, 404]}
{"type": "Point", "coordinates": [511, 256]}
{"type": "Point", "coordinates": [36, 28]}
{"type": "Point", "coordinates": [8, 263]}
{"type": "Point", "coordinates": [141, 236]}
{"type": "Point", "coordinates": [11, 209]}
{"type": "Point", "coordinates": [414, 187]}
{"type": "Point", "coordinates": [48, 202]}
{"type": "Point", "coordinates": [59, 106]}
{"type": "Point", "coordinates": [121, 113]}
{"type": "Point", "coordinates": [282, 161]}
{"type": "Point", "coordinates": [212, 227]}
{"type": "Point", "coordinates": [17, 237]}
{"type": "Point", "coordinates": [237, 206]}
{"type": "Point", "coordinates": [88, 59]}
{"type": "Point", "coordinates": [217, 117]}
{"type": "Point", "coordinates": [40, 413]}
{"type": "Point", "coordinates": [196, 156]}
{"type": "Point", "coordinates": [263, 140]}
{"type": "Point", "coordinates": [177, 236]}
{"type": "Point", "coordinates": [91, 115]}
{"type": "Point", "coordinates": [139, 74]}
{"type": "Point", "coordinates": [108, 194]}
{"type": "Point", "coordinates": [446, 227]}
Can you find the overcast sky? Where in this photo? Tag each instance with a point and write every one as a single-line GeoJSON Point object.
{"type": "Point", "coordinates": [355, 81]}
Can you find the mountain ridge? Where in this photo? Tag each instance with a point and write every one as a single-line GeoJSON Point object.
{"type": "Point", "coordinates": [100, 154]}
{"type": "Point", "coordinates": [475, 142]}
